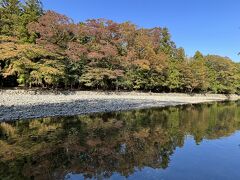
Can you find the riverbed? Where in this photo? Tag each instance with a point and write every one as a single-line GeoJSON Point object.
{"type": "Point", "coordinates": [23, 104]}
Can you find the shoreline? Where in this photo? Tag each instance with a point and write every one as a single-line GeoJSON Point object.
{"type": "Point", "coordinates": [30, 104]}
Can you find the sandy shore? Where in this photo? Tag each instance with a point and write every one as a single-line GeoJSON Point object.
{"type": "Point", "coordinates": [20, 104]}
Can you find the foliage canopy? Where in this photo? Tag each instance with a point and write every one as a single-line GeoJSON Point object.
{"type": "Point", "coordinates": [46, 49]}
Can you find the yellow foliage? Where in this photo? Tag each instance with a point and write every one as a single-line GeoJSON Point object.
{"type": "Point", "coordinates": [142, 63]}
{"type": "Point", "coordinates": [12, 50]}
{"type": "Point", "coordinates": [7, 39]}
{"type": "Point", "coordinates": [30, 60]}
{"type": "Point", "coordinates": [43, 128]}
{"type": "Point", "coordinates": [143, 133]}
{"type": "Point", "coordinates": [7, 130]}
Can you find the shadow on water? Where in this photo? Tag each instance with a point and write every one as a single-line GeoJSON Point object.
{"type": "Point", "coordinates": [99, 145]}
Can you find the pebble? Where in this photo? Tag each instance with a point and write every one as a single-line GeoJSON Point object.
{"type": "Point", "coordinates": [24, 104]}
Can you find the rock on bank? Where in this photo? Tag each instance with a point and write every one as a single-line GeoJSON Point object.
{"type": "Point", "coordinates": [27, 104]}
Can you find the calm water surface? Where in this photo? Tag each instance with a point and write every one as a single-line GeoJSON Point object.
{"type": "Point", "coordinates": [185, 142]}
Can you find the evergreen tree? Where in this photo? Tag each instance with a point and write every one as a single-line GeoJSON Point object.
{"type": "Point", "coordinates": [166, 44]}
{"type": "Point", "coordinates": [181, 56]}
{"type": "Point", "coordinates": [32, 10]}
{"type": "Point", "coordinates": [10, 12]}
{"type": "Point", "coordinates": [198, 55]}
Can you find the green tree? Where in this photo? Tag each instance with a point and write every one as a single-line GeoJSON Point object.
{"type": "Point", "coordinates": [181, 56]}
{"type": "Point", "coordinates": [198, 56]}
{"type": "Point", "coordinates": [166, 44]}
{"type": "Point", "coordinates": [10, 13]}
{"type": "Point", "coordinates": [223, 74]}
{"type": "Point", "coordinates": [174, 76]}
{"type": "Point", "coordinates": [200, 72]}
{"type": "Point", "coordinates": [32, 10]}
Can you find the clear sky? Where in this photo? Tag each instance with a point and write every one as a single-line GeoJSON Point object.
{"type": "Point", "coordinates": [211, 26]}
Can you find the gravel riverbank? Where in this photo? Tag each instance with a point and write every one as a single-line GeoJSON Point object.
{"type": "Point", "coordinates": [22, 104]}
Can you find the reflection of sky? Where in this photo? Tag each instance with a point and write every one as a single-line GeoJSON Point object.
{"type": "Point", "coordinates": [74, 176]}
{"type": "Point", "coordinates": [212, 159]}
{"type": "Point", "coordinates": [123, 148]}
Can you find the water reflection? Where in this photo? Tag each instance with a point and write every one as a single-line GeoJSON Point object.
{"type": "Point", "coordinates": [109, 145]}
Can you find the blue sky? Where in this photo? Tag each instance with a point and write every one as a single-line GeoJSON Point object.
{"type": "Point", "coordinates": [211, 26]}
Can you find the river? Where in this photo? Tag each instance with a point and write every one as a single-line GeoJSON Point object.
{"type": "Point", "coordinates": [184, 142]}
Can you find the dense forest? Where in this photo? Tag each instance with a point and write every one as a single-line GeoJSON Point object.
{"type": "Point", "coordinates": [45, 49]}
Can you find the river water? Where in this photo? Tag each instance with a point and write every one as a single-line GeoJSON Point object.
{"type": "Point", "coordinates": [184, 142]}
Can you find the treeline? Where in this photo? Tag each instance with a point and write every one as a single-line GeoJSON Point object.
{"type": "Point", "coordinates": [45, 49]}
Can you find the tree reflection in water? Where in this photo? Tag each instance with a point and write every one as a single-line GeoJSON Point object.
{"type": "Point", "coordinates": [102, 144]}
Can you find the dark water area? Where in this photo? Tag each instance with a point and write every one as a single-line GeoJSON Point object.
{"type": "Point", "coordinates": [184, 142]}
